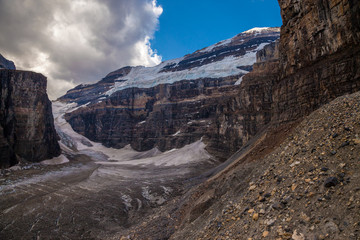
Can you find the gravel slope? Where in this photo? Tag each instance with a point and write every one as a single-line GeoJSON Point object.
{"type": "Point", "coordinates": [308, 188]}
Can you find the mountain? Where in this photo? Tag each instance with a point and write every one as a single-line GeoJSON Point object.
{"type": "Point", "coordinates": [6, 64]}
{"type": "Point", "coordinates": [231, 57]}
{"type": "Point", "coordinates": [176, 103]}
{"type": "Point", "coordinates": [27, 131]}
{"type": "Point", "coordinates": [296, 178]}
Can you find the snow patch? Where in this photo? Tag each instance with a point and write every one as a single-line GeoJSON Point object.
{"type": "Point", "coordinates": [192, 153]}
{"type": "Point", "coordinates": [127, 201]}
{"type": "Point", "coordinates": [78, 106]}
{"type": "Point", "coordinates": [152, 197]}
{"type": "Point", "coordinates": [56, 160]}
{"type": "Point", "coordinates": [239, 81]}
{"type": "Point", "coordinates": [257, 30]}
{"type": "Point", "coordinates": [219, 44]}
{"type": "Point", "coordinates": [177, 133]}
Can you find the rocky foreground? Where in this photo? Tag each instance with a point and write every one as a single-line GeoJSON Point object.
{"type": "Point", "coordinates": [308, 187]}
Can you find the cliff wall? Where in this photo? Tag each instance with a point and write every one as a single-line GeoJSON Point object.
{"type": "Point", "coordinates": [319, 55]}
{"type": "Point", "coordinates": [315, 29]}
{"type": "Point", "coordinates": [166, 116]}
{"type": "Point", "coordinates": [316, 60]}
{"type": "Point", "coordinates": [26, 123]}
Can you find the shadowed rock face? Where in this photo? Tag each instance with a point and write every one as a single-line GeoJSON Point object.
{"type": "Point", "coordinates": [26, 123]}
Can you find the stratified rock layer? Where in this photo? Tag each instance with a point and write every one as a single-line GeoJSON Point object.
{"type": "Point", "coordinates": [26, 123]}
{"type": "Point", "coordinates": [316, 60]}
{"type": "Point", "coordinates": [167, 116]}
{"type": "Point", "coordinates": [319, 55]}
{"type": "Point", "coordinates": [315, 29]}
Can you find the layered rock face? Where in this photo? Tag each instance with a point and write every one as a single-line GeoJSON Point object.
{"type": "Point", "coordinates": [313, 30]}
{"type": "Point", "coordinates": [256, 90]}
{"type": "Point", "coordinates": [176, 103]}
{"type": "Point", "coordinates": [319, 55]}
{"type": "Point", "coordinates": [167, 116]}
{"type": "Point", "coordinates": [26, 123]}
{"type": "Point", "coordinates": [316, 60]}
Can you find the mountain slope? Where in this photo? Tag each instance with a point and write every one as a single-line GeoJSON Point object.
{"type": "Point", "coordinates": [307, 188]}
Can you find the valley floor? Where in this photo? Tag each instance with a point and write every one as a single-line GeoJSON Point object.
{"type": "Point", "coordinates": [96, 191]}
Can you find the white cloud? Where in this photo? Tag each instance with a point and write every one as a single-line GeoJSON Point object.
{"type": "Point", "coordinates": [77, 41]}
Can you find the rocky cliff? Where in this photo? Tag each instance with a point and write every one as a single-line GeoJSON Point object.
{"type": "Point", "coordinates": [26, 123]}
{"type": "Point", "coordinates": [316, 60]}
{"type": "Point", "coordinates": [319, 55]}
{"type": "Point", "coordinates": [291, 184]}
{"type": "Point", "coordinates": [176, 103]}
{"type": "Point", "coordinates": [314, 30]}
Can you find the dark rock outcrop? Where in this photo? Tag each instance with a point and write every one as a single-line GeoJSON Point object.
{"type": "Point", "coordinates": [6, 64]}
{"type": "Point", "coordinates": [26, 123]}
{"type": "Point", "coordinates": [314, 30]}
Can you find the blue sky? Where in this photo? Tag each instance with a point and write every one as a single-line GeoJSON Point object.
{"type": "Point", "coordinates": [189, 25]}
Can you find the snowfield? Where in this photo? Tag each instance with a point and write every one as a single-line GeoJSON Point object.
{"type": "Point", "coordinates": [147, 77]}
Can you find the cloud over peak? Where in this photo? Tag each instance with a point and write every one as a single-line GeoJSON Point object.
{"type": "Point", "coordinates": [77, 41]}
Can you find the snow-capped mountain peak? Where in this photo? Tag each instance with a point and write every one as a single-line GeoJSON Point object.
{"type": "Point", "coordinates": [257, 30]}
{"type": "Point", "coordinates": [231, 57]}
